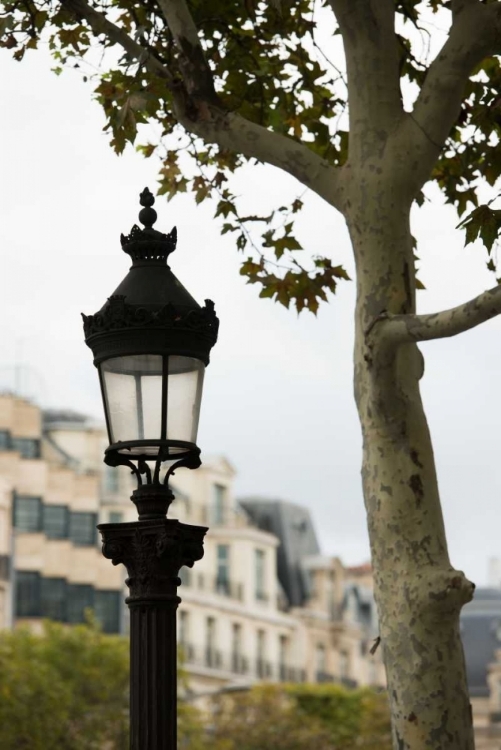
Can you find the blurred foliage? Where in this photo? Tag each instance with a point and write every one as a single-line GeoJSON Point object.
{"type": "Point", "coordinates": [67, 689]}
{"type": "Point", "coordinates": [276, 64]}
{"type": "Point", "coordinates": [300, 717]}
{"type": "Point", "coordinates": [64, 690]}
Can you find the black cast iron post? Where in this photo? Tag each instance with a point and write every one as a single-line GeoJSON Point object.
{"type": "Point", "coordinates": [153, 551]}
{"type": "Point", "coordinates": [151, 343]}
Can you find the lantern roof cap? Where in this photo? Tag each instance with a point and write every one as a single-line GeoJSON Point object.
{"type": "Point", "coordinates": [148, 245]}
{"type": "Point", "coordinates": [151, 312]}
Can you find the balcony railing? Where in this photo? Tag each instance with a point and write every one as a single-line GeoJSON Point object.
{"type": "Point", "coordinates": [238, 664]}
{"type": "Point", "coordinates": [203, 582]}
{"type": "Point", "coordinates": [324, 677]}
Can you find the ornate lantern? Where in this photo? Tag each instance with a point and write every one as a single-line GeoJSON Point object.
{"type": "Point", "coordinates": [151, 343]}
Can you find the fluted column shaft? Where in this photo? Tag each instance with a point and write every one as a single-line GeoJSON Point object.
{"type": "Point", "coordinates": [153, 552]}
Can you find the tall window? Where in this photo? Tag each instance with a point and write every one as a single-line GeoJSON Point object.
{"type": "Point", "coordinates": [53, 598]}
{"type": "Point", "coordinates": [27, 447]}
{"type": "Point", "coordinates": [283, 648]}
{"type": "Point", "coordinates": [210, 642]}
{"type": "Point", "coordinates": [320, 658]}
{"type": "Point", "coordinates": [55, 521]}
{"type": "Point", "coordinates": [83, 528]}
{"type": "Point", "coordinates": [107, 610]}
{"type": "Point", "coordinates": [259, 561]}
{"type": "Point", "coordinates": [236, 648]}
{"type": "Point", "coordinates": [184, 628]}
{"type": "Point", "coordinates": [261, 653]}
{"type": "Point", "coordinates": [223, 569]}
{"type": "Point", "coordinates": [80, 598]}
{"type": "Point", "coordinates": [344, 664]}
{"type": "Point", "coordinates": [218, 498]}
{"type": "Point", "coordinates": [116, 516]}
{"type": "Point", "coordinates": [5, 442]}
{"type": "Point", "coordinates": [27, 513]}
{"type": "Point", "coordinates": [4, 567]}
{"type": "Point", "coordinates": [111, 478]}
{"type": "Point", "coordinates": [27, 594]}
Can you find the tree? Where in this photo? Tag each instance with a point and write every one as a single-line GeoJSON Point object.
{"type": "Point", "coordinates": [299, 717]}
{"type": "Point", "coordinates": [230, 81]}
{"type": "Point", "coordinates": [66, 689]}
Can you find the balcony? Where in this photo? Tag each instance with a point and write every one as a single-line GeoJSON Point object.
{"type": "Point", "coordinates": [211, 584]}
{"type": "Point", "coordinates": [323, 677]}
{"type": "Point", "coordinates": [238, 664]}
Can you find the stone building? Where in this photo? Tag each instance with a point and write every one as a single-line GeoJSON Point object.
{"type": "Point", "coordinates": [263, 604]}
{"type": "Point", "coordinates": [49, 505]}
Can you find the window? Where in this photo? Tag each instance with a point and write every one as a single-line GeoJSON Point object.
{"type": "Point", "coordinates": [344, 664]}
{"type": "Point", "coordinates": [261, 651]}
{"type": "Point", "coordinates": [55, 521]}
{"type": "Point", "coordinates": [320, 659]}
{"type": "Point", "coordinates": [238, 663]}
{"type": "Point", "coordinates": [259, 561]}
{"type": "Point", "coordinates": [4, 567]}
{"type": "Point", "coordinates": [111, 484]}
{"type": "Point", "coordinates": [5, 443]}
{"type": "Point", "coordinates": [80, 598]}
{"type": "Point", "coordinates": [223, 569]}
{"type": "Point", "coordinates": [283, 649]}
{"type": "Point", "coordinates": [184, 627]}
{"type": "Point", "coordinates": [185, 576]}
{"type": "Point", "coordinates": [107, 610]}
{"type": "Point", "coordinates": [27, 594]}
{"type": "Point", "coordinates": [116, 517]}
{"type": "Point", "coordinates": [53, 598]}
{"type": "Point", "coordinates": [218, 504]}
{"type": "Point", "coordinates": [27, 513]}
{"type": "Point", "coordinates": [211, 655]}
{"type": "Point", "coordinates": [83, 528]}
{"type": "Point", "coordinates": [27, 447]}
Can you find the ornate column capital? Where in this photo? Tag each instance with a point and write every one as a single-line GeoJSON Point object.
{"type": "Point", "coordinates": [153, 552]}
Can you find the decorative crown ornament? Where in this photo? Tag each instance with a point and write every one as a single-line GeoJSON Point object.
{"type": "Point", "coordinates": [151, 311]}
{"type": "Point", "coordinates": [148, 244]}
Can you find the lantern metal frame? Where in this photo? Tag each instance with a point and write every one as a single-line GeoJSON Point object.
{"type": "Point", "coordinates": [150, 313]}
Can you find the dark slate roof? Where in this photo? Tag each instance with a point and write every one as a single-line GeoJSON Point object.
{"type": "Point", "coordinates": [52, 416]}
{"type": "Point", "coordinates": [293, 526]}
{"type": "Point", "coordinates": [481, 635]}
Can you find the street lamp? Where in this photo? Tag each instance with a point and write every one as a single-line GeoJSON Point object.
{"type": "Point", "coordinates": [151, 342]}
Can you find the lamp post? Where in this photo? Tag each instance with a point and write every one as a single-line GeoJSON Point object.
{"type": "Point", "coordinates": [151, 343]}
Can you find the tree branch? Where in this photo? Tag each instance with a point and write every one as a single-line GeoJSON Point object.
{"type": "Point", "coordinates": [101, 25]}
{"type": "Point", "coordinates": [475, 34]}
{"type": "Point", "coordinates": [401, 329]}
{"type": "Point", "coordinates": [195, 69]}
{"type": "Point", "coordinates": [231, 131]}
{"type": "Point", "coordinates": [198, 109]}
{"type": "Point", "coordinates": [372, 61]}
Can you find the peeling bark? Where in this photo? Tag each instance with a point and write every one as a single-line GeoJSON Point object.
{"type": "Point", "coordinates": [418, 593]}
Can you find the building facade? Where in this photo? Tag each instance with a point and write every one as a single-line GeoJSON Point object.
{"type": "Point", "coordinates": [263, 604]}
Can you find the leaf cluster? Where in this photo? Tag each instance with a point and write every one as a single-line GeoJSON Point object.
{"type": "Point", "coordinates": [64, 690]}
{"type": "Point", "coordinates": [273, 64]}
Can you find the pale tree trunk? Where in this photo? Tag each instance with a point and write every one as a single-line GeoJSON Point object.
{"type": "Point", "coordinates": [418, 593]}
{"type": "Point", "coordinates": [391, 156]}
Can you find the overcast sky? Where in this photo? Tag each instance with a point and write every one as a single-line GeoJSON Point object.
{"type": "Point", "coordinates": [278, 398]}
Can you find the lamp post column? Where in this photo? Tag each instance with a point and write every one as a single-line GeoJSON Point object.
{"type": "Point", "coordinates": [153, 551]}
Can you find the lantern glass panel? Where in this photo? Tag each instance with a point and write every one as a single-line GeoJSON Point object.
{"type": "Point", "coordinates": [133, 398]}
{"type": "Point", "coordinates": [184, 396]}
{"type": "Point", "coordinates": [133, 393]}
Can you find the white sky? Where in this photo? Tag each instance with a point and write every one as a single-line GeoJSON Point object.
{"type": "Point", "coordinates": [278, 398]}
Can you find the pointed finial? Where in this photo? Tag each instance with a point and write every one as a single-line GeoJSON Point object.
{"type": "Point", "coordinates": [147, 215]}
